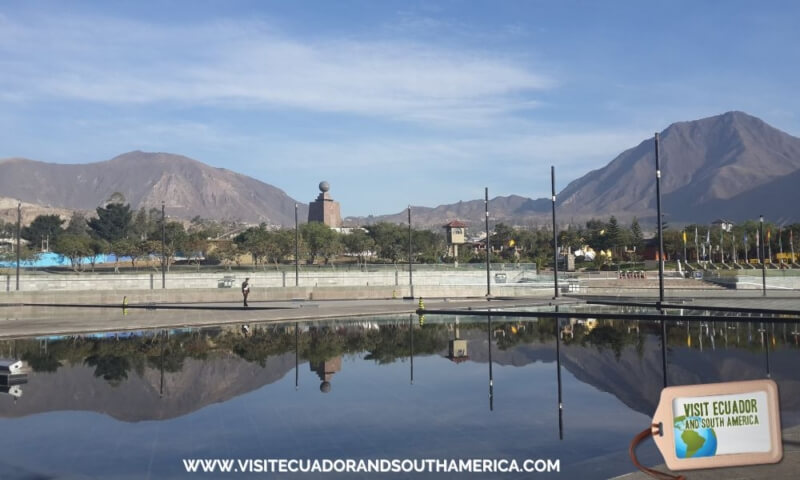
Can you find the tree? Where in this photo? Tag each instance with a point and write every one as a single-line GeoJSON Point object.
{"type": "Point", "coordinates": [112, 223]}
{"type": "Point", "coordinates": [77, 224]}
{"type": "Point", "coordinates": [254, 240]}
{"type": "Point", "coordinates": [613, 234]}
{"type": "Point", "coordinates": [73, 247]}
{"type": "Point", "coordinates": [320, 241]}
{"type": "Point", "coordinates": [195, 245]}
{"type": "Point", "coordinates": [389, 240]}
{"type": "Point", "coordinates": [97, 247]}
{"type": "Point", "coordinates": [358, 244]}
{"type": "Point", "coordinates": [128, 247]}
{"type": "Point", "coordinates": [43, 227]}
{"type": "Point", "coordinates": [142, 224]}
{"type": "Point", "coordinates": [428, 246]}
{"type": "Point", "coordinates": [637, 238]}
{"type": "Point", "coordinates": [226, 251]}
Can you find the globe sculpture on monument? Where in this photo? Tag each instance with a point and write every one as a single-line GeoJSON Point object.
{"type": "Point", "coordinates": [324, 209]}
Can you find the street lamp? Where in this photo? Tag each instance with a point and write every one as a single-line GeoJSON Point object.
{"type": "Point", "coordinates": [763, 261]}
{"type": "Point", "coordinates": [410, 278]}
{"type": "Point", "coordinates": [163, 246]}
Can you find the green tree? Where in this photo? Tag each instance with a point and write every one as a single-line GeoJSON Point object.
{"type": "Point", "coordinates": [195, 245]}
{"type": "Point", "coordinates": [429, 247]}
{"type": "Point", "coordinates": [391, 241]}
{"type": "Point", "coordinates": [320, 240]}
{"type": "Point", "coordinates": [77, 224]}
{"type": "Point", "coordinates": [112, 223]}
{"type": "Point", "coordinates": [73, 247]}
{"type": "Point", "coordinates": [128, 247]}
{"type": "Point", "coordinates": [637, 237]}
{"type": "Point", "coordinates": [97, 247]}
{"type": "Point", "coordinates": [43, 227]}
{"type": "Point", "coordinates": [226, 251]}
{"type": "Point", "coordinates": [358, 244]}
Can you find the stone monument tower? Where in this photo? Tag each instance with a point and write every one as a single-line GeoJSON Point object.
{"type": "Point", "coordinates": [324, 209]}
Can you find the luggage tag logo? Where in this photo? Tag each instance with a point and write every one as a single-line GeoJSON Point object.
{"type": "Point", "coordinates": [719, 425]}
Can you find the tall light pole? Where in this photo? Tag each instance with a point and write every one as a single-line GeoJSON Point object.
{"type": "Point", "coordinates": [555, 234]}
{"type": "Point", "coordinates": [661, 265]}
{"type": "Point", "coordinates": [763, 260]}
{"type": "Point", "coordinates": [660, 227]}
{"type": "Point", "coordinates": [19, 231]}
{"type": "Point", "coordinates": [488, 244]}
{"type": "Point", "coordinates": [410, 277]}
{"type": "Point", "coordinates": [296, 250]}
{"type": "Point", "coordinates": [163, 246]}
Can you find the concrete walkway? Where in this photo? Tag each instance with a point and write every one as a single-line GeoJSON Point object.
{"type": "Point", "coordinates": [22, 321]}
{"type": "Point", "coordinates": [787, 469]}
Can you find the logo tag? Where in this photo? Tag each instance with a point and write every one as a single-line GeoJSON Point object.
{"type": "Point", "coordinates": [719, 425]}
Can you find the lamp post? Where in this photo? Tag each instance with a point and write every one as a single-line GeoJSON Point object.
{"type": "Point", "coordinates": [555, 234]}
{"type": "Point", "coordinates": [163, 246]}
{"type": "Point", "coordinates": [659, 219]}
{"type": "Point", "coordinates": [763, 261]}
{"type": "Point", "coordinates": [19, 230]}
{"type": "Point", "coordinates": [410, 275]}
{"type": "Point", "coordinates": [296, 250]}
{"type": "Point", "coordinates": [488, 244]}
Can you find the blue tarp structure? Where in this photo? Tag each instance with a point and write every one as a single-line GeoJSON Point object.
{"type": "Point", "coordinates": [50, 259]}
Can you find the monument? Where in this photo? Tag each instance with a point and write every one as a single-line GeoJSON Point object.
{"type": "Point", "coordinates": [324, 209]}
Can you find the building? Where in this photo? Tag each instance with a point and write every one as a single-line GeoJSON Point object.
{"type": "Point", "coordinates": [456, 234]}
{"type": "Point", "coordinates": [324, 209]}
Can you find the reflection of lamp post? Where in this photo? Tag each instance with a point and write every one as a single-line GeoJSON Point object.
{"type": "Point", "coordinates": [491, 376]}
{"type": "Point", "coordinates": [161, 386]}
{"type": "Point", "coordinates": [296, 352]}
{"type": "Point", "coordinates": [411, 328]}
{"type": "Point", "coordinates": [558, 377]}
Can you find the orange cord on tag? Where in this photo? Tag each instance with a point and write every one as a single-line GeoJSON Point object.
{"type": "Point", "coordinates": [655, 429]}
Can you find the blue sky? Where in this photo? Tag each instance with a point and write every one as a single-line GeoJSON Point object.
{"type": "Point", "coordinates": [394, 103]}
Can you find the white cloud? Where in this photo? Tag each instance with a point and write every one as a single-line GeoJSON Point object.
{"type": "Point", "coordinates": [248, 64]}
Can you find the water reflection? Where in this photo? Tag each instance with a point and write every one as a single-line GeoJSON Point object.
{"type": "Point", "coordinates": [223, 387]}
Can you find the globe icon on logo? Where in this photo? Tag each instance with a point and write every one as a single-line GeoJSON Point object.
{"type": "Point", "coordinates": [691, 441]}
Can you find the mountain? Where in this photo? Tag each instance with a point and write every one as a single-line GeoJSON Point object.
{"type": "Point", "coordinates": [731, 165]}
{"type": "Point", "coordinates": [8, 211]}
{"type": "Point", "coordinates": [188, 187]}
{"type": "Point", "coordinates": [512, 208]}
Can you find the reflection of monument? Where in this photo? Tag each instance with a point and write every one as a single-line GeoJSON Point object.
{"type": "Point", "coordinates": [325, 371]}
{"type": "Point", "coordinates": [457, 348]}
{"type": "Point", "coordinates": [324, 209]}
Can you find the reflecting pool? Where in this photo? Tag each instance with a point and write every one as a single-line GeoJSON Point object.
{"type": "Point", "coordinates": [135, 404]}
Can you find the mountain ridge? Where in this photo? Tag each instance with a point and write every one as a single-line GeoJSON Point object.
{"type": "Point", "coordinates": [188, 187]}
{"type": "Point", "coordinates": [732, 165]}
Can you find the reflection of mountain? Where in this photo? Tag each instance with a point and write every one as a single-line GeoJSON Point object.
{"type": "Point", "coordinates": [637, 381]}
{"type": "Point", "coordinates": [198, 384]}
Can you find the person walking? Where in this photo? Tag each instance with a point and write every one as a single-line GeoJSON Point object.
{"type": "Point", "coordinates": [246, 290]}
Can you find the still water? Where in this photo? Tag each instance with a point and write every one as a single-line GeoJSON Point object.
{"type": "Point", "coordinates": [134, 405]}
